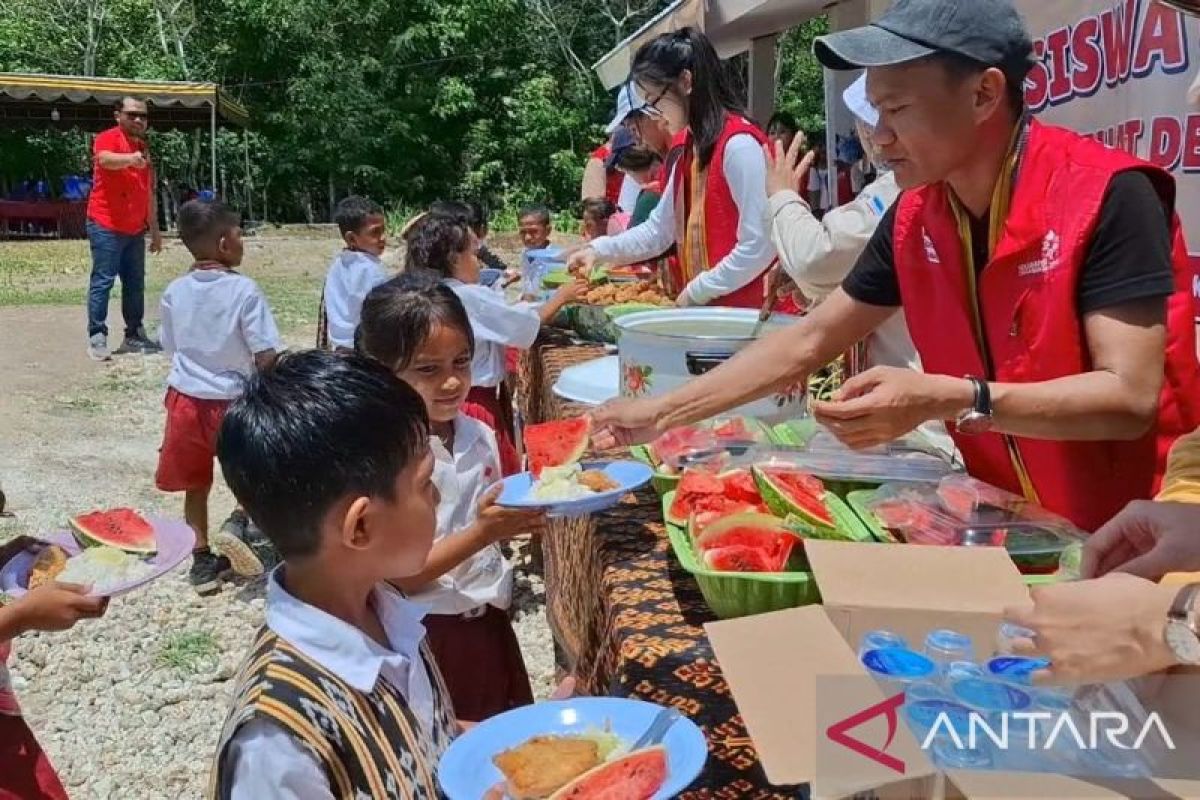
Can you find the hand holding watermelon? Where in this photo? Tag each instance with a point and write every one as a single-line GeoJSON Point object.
{"type": "Point", "coordinates": [56, 607]}
{"type": "Point", "coordinates": [501, 523]}
{"type": "Point", "coordinates": [625, 422]}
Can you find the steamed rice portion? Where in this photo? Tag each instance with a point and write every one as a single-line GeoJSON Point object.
{"type": "Point", "coordinates": [560, 483]}
{"type": "Point", "coordinates": [104, 568]}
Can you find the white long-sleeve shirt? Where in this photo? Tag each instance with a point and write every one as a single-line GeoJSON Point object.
{"type": "Point", "coordinates": [745, 169]}
{"type": "Point", "coordinates": [819, 253]}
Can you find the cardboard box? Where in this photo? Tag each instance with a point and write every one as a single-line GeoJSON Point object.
{"type": "Point", "coordinates": [793, 673]}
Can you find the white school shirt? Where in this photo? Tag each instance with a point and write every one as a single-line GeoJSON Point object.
{"type": "Point", "coordinates": [352, 276]}
{"type": "Point", "coordinates": [818, 181]}
{"type": "Point", "coordinates": [214, 321]}
{"type": "Point", "coordinates": [745, 170]}
{"type": "Point", "coordinates": [462, 477]}
{"type": "Point", "coordinates": [496, 325]}
{"type": "Point", "coordinates": [264, 762]}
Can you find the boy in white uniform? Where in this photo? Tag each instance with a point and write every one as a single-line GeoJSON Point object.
{"type": "Point", "coordinates": [355, 271]}
{"type": "Point", "coordinates": [217, 329]}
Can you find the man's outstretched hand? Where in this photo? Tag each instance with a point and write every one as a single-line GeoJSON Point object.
{"type": "Point", "coordinates": [625, 422]}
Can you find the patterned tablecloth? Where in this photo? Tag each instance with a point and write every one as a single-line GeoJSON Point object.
{"type": "Point", "coordinates": [627, 618]}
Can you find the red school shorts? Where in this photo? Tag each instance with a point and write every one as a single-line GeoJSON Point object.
{"type": "Point", "coordinates": [25, 770]}
{"type": "Point", "coordinates": [185, 460]}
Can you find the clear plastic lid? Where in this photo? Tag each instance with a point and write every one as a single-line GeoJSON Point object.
{"type": "Point", "coordinates": [856, 467]}
{"type": "Point", "coordinates": [711, 442]}
{"type": "Point", "coordinates": [963, 511]}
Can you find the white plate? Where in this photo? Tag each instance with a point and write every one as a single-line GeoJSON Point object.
{"type": "Point", "coordinates": [591, 383]}
{"type": "Point", "coordinates": [628, 475]}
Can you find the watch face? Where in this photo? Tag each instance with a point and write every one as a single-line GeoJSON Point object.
{"type": "Point", "coordinates": [1183, 643]}
{"type": "Point", "coordinates": [974, 422]}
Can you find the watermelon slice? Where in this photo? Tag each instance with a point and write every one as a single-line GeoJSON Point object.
{"type": "Point", "coordinates": [555, 443]}
{"type": "Point", "coordinates": [743, 558]}
{"type": "Point", "coordinates": [702, 519]}
{"type": "Point", "coordinates": [637, 776]}
{"type": "Point", "coordinates": [739, 485]}
{"type": "Point", "coordinates": [792, 492]}
{"type": "Point", "coordinates": [697, 491]}
{"type": "Point", "coordinates": [122, 528]}
{"type": "Point", "coordinates": [676, 443]}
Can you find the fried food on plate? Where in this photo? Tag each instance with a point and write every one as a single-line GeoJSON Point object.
{"type": "Point", "coordinates": [545, 764]}
{"type": "Point", "coordinates": [50, 562]}
{"type": "Point", "coordinates": [597, 481]}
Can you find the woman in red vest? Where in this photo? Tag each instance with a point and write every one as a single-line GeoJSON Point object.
{"type": "Point", "coordinates": [1043, 277]}
{"type": "Point", "coordinates": [714, 206]}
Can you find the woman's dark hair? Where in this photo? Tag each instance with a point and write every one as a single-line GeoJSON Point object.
{"type": "Point", "coordinates": [398, 316]}
{"type": "Point", "coordinates": [468, 211]}
{"type": "Point", "coordinates": [660, 63]}
{"type": "Point", "coordinates": [312, 429]}
{"type": "Point", "coordinates": [637, 159]}
{"type": "Point", "coordinates": [434, 243]}
{"type": "Point", "coordinates": [598, 208]}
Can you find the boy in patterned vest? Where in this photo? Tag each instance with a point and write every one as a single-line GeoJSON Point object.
{"type": "Point", "coordinates": [339, 697]}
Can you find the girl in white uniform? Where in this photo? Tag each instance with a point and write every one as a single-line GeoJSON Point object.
{"type": "Point", "coordinates": [419, 328]}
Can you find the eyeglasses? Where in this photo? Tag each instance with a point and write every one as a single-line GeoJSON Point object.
{"type": "Point", "coordinates": [136, 114]}
{"type": "Point", "coordinates": [651, 106]}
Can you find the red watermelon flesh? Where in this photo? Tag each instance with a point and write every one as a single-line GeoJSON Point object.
{"type": "Point", "coordinates": [743, 558]}
{"type": "Point", "coordinates": [754, 530]}
{"type": "Point", "coordinates": [676, 443]}
{"type": "Point", "coordinates": [734, 429]}
{"type": "Point", "coordinates": [637, 776]}
{"type": "Point", "coordinates": [790, 491]}
{"type": "Point", "coordinates": [702, 519]}
{"type": "Point", "coordinates": [958, 499]}
{"type": "Point", "coordinates": [739, 485]}
{"type": "Point", "coordinates": [556, 443]}
{"type": "Point", "coordinates": [122, 528]}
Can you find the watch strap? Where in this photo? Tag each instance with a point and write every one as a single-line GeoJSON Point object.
{"type": "Point", "coordinates": [982, 404]}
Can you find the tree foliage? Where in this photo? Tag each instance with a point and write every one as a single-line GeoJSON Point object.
{"type": "Point", "coordinates": [404, 101]}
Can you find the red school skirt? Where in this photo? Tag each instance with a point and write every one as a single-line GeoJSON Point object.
{"type": "Point", "coordinates": [480, 660]}
{"type": "Point", "coordinates": [25, 770]}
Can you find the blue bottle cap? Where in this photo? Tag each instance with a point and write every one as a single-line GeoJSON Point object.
{"type": "Point", "coordinates": [947, 641]}
{"type": "Point", "coordinates": [988, 695]}
{"type": "Point", "coordinates": [1016, 668]}
{"type": "Point", "coordinates": [898, 663]}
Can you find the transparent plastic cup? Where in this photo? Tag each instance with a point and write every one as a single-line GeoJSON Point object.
{"type": "Point", "coordinates": [957, 670]}
{"type": "Point", "coordinates": [946, 646]}
{"type": "Point", "coordinates": [879, 639]}
{"type": "Point", "coordinates": [1007, 634]}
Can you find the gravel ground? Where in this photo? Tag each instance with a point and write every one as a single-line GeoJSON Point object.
{"type": "Point", "coordinates": [130, 706]}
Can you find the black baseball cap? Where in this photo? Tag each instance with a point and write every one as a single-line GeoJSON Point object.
{"type": "Point", "coordinates": [988, 31]}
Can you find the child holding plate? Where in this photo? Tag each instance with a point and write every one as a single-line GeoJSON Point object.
{"type": "Point", "coordinates": [418, 328]}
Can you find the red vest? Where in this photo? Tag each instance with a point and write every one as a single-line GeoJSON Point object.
{"type": "Point", "coordinates": [1030, 322]}
{"type": "Point", "coordinates": [720, 214]}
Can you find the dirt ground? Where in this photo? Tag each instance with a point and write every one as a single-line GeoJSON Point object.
{"type": "Point", "coordinates": [131, 705]}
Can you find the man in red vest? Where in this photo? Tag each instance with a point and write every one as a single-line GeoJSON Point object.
{"type": "Point", "coordinates": [1042, 275]}
{"type": "Point", "coordinates": [121, 208]}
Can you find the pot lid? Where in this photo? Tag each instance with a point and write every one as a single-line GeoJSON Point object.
{"type": "Point", "coordinates": [702, 323]}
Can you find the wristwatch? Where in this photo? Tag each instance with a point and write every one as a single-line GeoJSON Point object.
{"type": "Point", "coordinates": [1182, 633]}
{"type": "Point", "coordinates": [978, 418]}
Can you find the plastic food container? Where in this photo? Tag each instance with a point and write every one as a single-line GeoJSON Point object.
{"type": "Point", "coordinates": [844, 471]}
{"type": "Point", "coordinates": [741, 594]}
{"type": "Point", "coordinates": [714, 443]}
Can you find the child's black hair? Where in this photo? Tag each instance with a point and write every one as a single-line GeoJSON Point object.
{"type": "Point", "coordinates": [782, 122]}
{"type": "Point", "coordinates": [537, 211]}
{"type": "Point", "coordinates": [352, 212]}
{"type": "Point", "coordinates": [637, 159]}
{"type": "Point", "coordinates": [312, 429]}
{"type": "Point", "coordinates": [434, 243]}
{"type": "Point", "coordinates": [468, 211]}
{"type": "Point", "coordinates": [598, 208]}
{"type": "Point", "coordinates": [399, 315]}
{"type": "Point", "coordinates": [203, 222]}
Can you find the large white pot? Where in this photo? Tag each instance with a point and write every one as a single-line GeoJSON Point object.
{"type": "Point", "coordinates": [660, 350]}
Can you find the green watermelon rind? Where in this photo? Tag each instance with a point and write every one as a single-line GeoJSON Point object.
{"type": "Point", "coordinates": [744, 519]}
{"type": "Point", "coordinates": [782, 507]}
{"type": "Point", "coordinates": [620, 772]}
{"type": "Point", "coordinates": [88, 538]}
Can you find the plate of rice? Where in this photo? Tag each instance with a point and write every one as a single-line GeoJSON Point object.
{"type": "Point", "coordinates": [574, 490]}
{"type": "Point", "coordinates": [108, 571]}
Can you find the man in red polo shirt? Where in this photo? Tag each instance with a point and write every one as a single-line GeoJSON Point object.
{"type": "Point", "coordinates": [121, 208]}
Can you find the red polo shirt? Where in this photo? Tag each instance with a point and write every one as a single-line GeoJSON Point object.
{"type": "Point", "coordinates": [120, 198]}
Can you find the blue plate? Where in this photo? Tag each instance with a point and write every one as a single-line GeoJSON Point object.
{"type": "Point", "coordinates": [466, 770]}
{"type": "Point", "coordinates": [629, 475]}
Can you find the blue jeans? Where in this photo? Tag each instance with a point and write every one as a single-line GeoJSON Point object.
{"type": "Point", "coordinates": [116, 255]}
